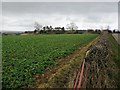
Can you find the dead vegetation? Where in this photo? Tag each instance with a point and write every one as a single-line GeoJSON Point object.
{"type": "Point", "coordinates": [100, 70]}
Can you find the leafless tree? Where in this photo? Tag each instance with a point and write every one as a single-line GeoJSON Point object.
{"type": "Point", "coordinates": [37, 26]}
{"type": "Point", "coordinates": [72, 26]}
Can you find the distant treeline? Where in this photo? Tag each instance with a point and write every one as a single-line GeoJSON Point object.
{"type": "Point", "coordinates": [71, 28]}
{"type": "Point", "coordinates": [62, 31]}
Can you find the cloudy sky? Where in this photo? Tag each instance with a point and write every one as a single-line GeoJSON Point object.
{"type": "Point", "coordinates": [20, 16]}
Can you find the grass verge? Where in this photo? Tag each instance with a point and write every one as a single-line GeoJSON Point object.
{"type": "Point", "coordinates": [115, 56]}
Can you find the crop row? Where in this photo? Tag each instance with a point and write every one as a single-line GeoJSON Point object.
{"type": "Point", "coordinates": [25, 56]}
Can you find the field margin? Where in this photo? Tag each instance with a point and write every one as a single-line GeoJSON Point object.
{"type": "Point", "coordinates": [115, 47]}
{"type": "Point", "coordinates": [64, 77]}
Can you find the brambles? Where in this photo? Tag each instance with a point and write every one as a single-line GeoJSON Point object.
{"type": "Point", "coordinates": [25, 56]}
{"type": "Point", "coordinates": [100, 67]}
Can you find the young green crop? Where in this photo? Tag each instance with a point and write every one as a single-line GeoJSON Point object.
{"type": "Point", "coordinates": [25, 56]}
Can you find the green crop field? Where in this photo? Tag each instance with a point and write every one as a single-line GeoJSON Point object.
{"type": "Point", "coordinates": [26, 55]}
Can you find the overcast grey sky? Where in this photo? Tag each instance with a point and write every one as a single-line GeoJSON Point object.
{"type": "Point", "coordinates": [19, 16]}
